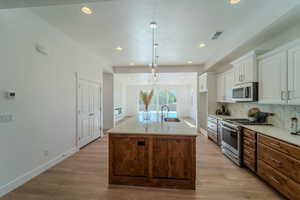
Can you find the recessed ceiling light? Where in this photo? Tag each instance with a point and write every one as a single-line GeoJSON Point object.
{"type": "Point", "coordinates": [202, 45]}
{"type": "Point", "coordinates": [234, 1]}
{"type": "Point", "coordinates": [190, 62]}
{"type": "Point", "coordinates": [86, 10]}
{"type": "Point", "coordinates": [132, 63]}
{"type": "Point", "coordinates": [119, 48]}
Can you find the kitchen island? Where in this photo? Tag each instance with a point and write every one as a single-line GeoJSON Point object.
{"type": "Point", "coordinates": [153, 153]}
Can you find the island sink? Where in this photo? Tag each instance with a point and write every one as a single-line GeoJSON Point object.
{"type": "Point", "coordinates": [172, 120]}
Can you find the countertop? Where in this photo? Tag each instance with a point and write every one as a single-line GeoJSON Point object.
{"type": "Point", "coordinates": [136, 125]}
{"type": "Point", "coordinates": [275, 132]}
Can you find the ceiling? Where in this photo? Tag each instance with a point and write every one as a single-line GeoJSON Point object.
{"type": "Point", "coordinates": [4, 4]}
{"type": "Point", "coordinates": [182, 26]}
{"type": "Point", "coordinates": [164, 79]}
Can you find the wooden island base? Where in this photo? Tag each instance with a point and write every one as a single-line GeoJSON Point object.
{"type": "Point", "coordinates": [152, 160]}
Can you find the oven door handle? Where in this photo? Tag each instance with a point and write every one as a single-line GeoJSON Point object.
{"type": "Point", "coordinates": [229, 129]}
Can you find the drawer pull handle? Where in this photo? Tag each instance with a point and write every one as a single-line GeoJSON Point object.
{"type": "Point", "coordinates": [275, 180]}
{"type": "Point", "coordinates": [248, 152]}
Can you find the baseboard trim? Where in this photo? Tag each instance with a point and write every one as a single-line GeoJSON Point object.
{"type": "Point", "coordinates": [35, 172]}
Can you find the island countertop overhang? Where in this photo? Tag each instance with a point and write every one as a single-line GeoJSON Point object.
{"type": "Point", "coordinates": [155, 127]}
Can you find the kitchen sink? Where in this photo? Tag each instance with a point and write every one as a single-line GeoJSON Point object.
{"type": "Point", "coordinates": [172, 120]}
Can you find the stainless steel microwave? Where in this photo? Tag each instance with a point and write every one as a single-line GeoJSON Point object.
{"type": "Point", "coordinates": [247, 92]}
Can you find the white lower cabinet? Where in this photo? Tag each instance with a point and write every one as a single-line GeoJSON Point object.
{"type": "Point", "coordinates": [279, 76]}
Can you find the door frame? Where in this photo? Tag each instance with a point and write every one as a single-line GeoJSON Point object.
{"type": "Point", "coordinates": [78, 78]}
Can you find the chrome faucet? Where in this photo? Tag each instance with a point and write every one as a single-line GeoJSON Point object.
{"type": "Point", "coordinates": [162, 112]}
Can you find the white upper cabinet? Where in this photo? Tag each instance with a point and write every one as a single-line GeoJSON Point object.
{"type": "Point", "coordinates": [220, 87]}
{"type": "Point", "coordinates": [229, 84]}
{"type": "Point", "coordinates": [279, 75]}
{"type": "Point", "coordinates": [203, 83]}
{"type": "Point", "coordinates": [272, 79]}
{"type": "Point", "coordinates": [294, 75]}
{"type": "Point", "coordinates": [245, 69]}
{"type": "Point", "coordinates": [225, 83]}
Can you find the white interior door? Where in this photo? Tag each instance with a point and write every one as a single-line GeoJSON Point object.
{"type": "Point", "coordinates": [89, 112]}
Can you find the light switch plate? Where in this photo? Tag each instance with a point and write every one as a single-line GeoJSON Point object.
{"type": "Point", "coordinates": [6, 118]}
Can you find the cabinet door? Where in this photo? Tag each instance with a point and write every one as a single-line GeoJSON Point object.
{"type": "Point", "coordinates": [220, 88]}
{"type": "Point", "coordinates": [294, 75]}
{"type": "Point", "coordinates": [273, 79]}
{"type": "Point", "coordinates": [248, 71]}
{"type": "Point", "coordinates": [131, 154]}
{"type": "Point", "coordinates": [237, 73]}
{"type": "Point", "coordinates": [172, 158]}
{"type": "Point", "coordinates": [203, 83]}
{"type": "Point", "coordinates": [229, 84]}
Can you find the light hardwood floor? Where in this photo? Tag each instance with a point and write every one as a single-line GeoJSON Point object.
{"type": "Point", "coordinates": [84, 176]}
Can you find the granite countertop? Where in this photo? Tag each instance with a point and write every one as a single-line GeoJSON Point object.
{"type": "Point", "coordinates": [275, 132]}
{"type": "Point", "coordinates": [136, 125]}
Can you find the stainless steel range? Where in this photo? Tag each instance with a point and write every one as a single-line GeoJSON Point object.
{"type": "Point", "coordinates": [231, 132]}
{"type": "Point", "coordinates": [231, 141]}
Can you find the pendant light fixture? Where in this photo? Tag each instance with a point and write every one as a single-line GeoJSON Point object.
{"type": "Point", "coordinates": [154, 63]}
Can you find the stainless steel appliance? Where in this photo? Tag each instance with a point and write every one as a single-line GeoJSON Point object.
{"type": "Point", "coordinates": [231, 141]}
{"type": "Point", "coordinates": [247, 92]}
{"type": "Point", "coordinates": [231, 134]}
{"type": "Point", "coordinates": [213, 130]}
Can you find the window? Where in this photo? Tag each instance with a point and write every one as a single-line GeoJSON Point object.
{"type": "Point", "coordinates": [160, 98]}
{"type": "Point", "coordinates": [168, 97]}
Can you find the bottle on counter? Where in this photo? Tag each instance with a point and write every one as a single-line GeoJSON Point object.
{"type": "Point", "coordinates": [294, 126]}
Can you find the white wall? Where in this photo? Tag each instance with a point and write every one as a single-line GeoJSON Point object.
{"type": "Point", "coordinates": [108, 101]}
{"type": "Point", "coordinates": [44, 107]}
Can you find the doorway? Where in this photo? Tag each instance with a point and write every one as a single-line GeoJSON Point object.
{"type": "Point", "coordinates": [88, 112]}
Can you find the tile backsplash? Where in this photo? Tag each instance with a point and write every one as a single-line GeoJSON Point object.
{"type": "Point", "coordinates": [283, 113]}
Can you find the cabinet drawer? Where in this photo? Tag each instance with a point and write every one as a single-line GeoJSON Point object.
{"type": "Point", "coordinates": [283, 147]}
{"type": "Point", "coordinates": [213, 136]}
{"type": "Point", "coordinates": [251, 153]}
{"type": "Point", "coordinates": [249, 162]}
{"type": "Point", "coordinates": [279, 161]}
{"type": "Point", "coordinates": [282, 183]}
{"type": "Point", "coordinates": [249, 143]}
{"type": "Point", "coordinates": [249, 134]}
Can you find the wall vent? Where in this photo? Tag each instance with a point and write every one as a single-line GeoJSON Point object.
{"type": "Point", "coordinates": [217, 35]}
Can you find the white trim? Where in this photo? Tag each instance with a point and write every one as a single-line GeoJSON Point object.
{"type": "Point", "coordinates": [279, 49]}
{"type": "Point", "coordinates": [12, 185]}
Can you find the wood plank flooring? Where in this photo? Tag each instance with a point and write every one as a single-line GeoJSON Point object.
{"type": "Point", "coordinates": [84, 176]}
